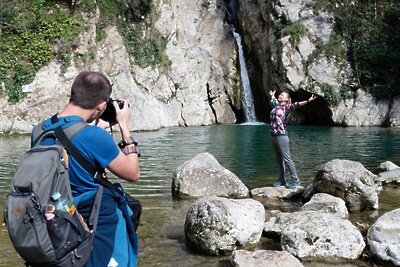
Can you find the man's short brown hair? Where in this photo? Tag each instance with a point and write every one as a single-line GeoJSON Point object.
{"type": "Point", "coordinates": [89, 89]}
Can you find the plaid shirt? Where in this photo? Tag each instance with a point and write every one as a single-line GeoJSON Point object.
{"type": "Point", "coordinates": [278, 116]}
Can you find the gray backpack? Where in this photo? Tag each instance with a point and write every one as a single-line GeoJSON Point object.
{"type": "Point", "coordinates": [44, 226]}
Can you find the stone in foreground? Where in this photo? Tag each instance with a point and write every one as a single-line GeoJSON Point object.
{"type": "Point", "coordinates": [216, 226]}
{"type": "Point", "coordinates": [264, 258]}
{"type": "Point", "coordinates": [323, 237]}
{"type": "Point", "coordinates": [384, 237]}
{"type": "Point", "coordinates": [204, 176]}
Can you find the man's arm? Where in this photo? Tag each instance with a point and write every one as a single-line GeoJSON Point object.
{"type": "Point", "coordinates": [127, 166]}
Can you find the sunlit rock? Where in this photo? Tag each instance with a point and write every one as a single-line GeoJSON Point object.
{"type": "Point", "coordinates": [350, 181]}
{"type": "Point", "coordinates": [384, 239]}
{"type": "Point", "coordinates": [390, 177]}
{"type": "Point", "coordinates": [328, 204]}
{"type": "Point", "coordinates": [264, 258]}
{"type": "Point", "coordinates": [278, 192]}
{"type": "Point", "coordinates": [216, 225]}
{"type": "Point", "coordinates": [204, 176]}
{"type": "Point", "coordinates": [387, 166]}
{"type": "Point", "coordinates": [198, 87]}
{"type": "Point", "coordinates": [323, 237]}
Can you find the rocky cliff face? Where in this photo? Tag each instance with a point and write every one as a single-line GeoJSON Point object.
{"type": "Point", "coordinates": [294, 61]}
{"type": "Point", "coordinates": [197, 89]}
{"type": "Point", "coordinates": [201, 86]}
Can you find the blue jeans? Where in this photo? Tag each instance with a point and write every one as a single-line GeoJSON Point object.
{"type": "Point", "coordinates": [280, 144]}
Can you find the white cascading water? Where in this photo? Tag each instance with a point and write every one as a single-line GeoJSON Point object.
{"type": "Point", "coordinates": [247, 96]}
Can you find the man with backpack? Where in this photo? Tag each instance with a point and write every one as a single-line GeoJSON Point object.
{"type": "Point", "coordinates": [116, 242]}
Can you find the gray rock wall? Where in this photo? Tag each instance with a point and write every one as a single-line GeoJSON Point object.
{"type": "Point", "coordinates": [282, 62]}
{"type": "Point", "coordinates": [197, 89]}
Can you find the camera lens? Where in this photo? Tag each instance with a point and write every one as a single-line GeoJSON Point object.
{"type": "Point", "coordinates": [109, 113]}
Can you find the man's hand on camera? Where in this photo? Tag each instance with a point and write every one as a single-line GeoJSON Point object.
{"type": "Point", "coordinates": [124, 114]}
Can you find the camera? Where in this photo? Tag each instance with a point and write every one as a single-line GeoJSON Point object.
{"type": "Point", "coordinates": [109, 113]}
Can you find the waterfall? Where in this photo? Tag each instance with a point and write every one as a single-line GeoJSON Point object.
{"type": "Point", "coordinates": [247, 96]}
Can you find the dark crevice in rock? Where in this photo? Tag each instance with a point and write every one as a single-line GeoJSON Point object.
{"type": "Point", "coordinates": [386, 121]}
{"type": "Point", "coordinates": [210, 102]}
{"type": "Point", "coordinates": [316, 112]}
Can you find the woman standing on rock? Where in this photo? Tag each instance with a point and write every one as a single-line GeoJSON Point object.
{"type": "Point", "coordinates": [280, 140]}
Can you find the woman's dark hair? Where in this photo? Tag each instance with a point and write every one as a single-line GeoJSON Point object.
{"type": "Point", "coordinates": [89, 89]}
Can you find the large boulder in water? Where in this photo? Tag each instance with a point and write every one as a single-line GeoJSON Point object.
{"type": "Point", "coordinates": [390, 177]}
{"type": "Point", "coordinates": [384, 238]}
{"type": "Point", "coordinates": [387, 166]}
{"type": "Point", "coordinates": [323, 237]}
{"type": "Point", "coordinates": [216, 225]}
{"type": "Point", "coordinates": [204, 176]}
{"type": "Point", "coordinates": [350, 181]}
{"type": "Point", "coordinates": [322, 202]}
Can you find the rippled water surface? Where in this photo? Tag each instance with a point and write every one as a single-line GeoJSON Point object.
{"type": "Point", "coordinates": [243, 149]}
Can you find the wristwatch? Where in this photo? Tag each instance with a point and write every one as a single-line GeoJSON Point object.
{"type": "Point", "coordinates": [132, 148]}
{"type": "Point", "coordinates": [127, 141]}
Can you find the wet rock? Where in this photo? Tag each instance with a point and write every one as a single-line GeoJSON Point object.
{"type": "Point", "coordinates": [275, 225]}
{"type": "Point", "coordinates": [350, 181]}
{"type": "Point", "coordinates": [328, 204]}
{"type": "Point", "coordinates": [323, 237]}
{"type": "Point", "coordinates": [204, 176]}
{"type": "Point", "coordinates": [278, 192]}
{"type": "Point", "coordinates": [216, 225]}
{"type": "Point", "coordinates": [384, 239]}
{"type": "Point", "coordinates": [264, 258]}
{"type": "Point", "coordinates": [387, 166]}
{"type": "Point", "coordinates": [390, 177]}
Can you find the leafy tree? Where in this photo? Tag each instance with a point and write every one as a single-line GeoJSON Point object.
{"type": "Point", "coordinates": [371, 29]}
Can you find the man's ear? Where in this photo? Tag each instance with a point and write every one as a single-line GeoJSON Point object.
{"type": "Point", "coordinates": [101, 106]}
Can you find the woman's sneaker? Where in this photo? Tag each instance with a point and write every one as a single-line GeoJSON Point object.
{"type": "Point", "coordinates": [293, 183]}
{"type": "Point", "coordinates": [279, 183]}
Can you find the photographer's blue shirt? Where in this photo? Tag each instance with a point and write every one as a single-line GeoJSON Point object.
{"type": "Point", "coordinates": [97, 146]}
{"type": "Point", "coordinates": [114, 241]}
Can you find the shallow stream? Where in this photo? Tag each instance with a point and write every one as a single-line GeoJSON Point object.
{"type": "Point", "coordinates": [243, 149]}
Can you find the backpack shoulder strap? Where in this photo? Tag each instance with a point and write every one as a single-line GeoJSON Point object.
{"type": "Point", "coordinates": [39, 131]}
{"type": "Point", "coordinates": [64, 137]}
{"type": "Point", "coordinates": [36, 133]}
{"type": "Point", "coordinates": [74, 129]}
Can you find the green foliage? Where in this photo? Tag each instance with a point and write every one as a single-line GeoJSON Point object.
{"type": "Point", "coordinates": [147, 50]}
{"type": "Point", "coordinates": [371, 29]}
{"type": "Point", "coordinates": [295, 31]}
{"type": "Point", "coordinates": [335, 48]}
{"type": "Point", "coordinates": [100, 34]}
{"type": "Point", "coordinates": [346, 92]}
{"type": "Point", "coordinates": [87, 6]}
{"type": "Point", "coordinates": [30, 33]}
{"type": "Point", "coordinates": [322, 5]}
{"type": "Point", "coordinates": [85, 59]}
{"type": "Point", "coordinates": [330, 95]}
{"type": "Point", "coordinates": [33, 32]}
{"type": "Point", "coordinates": [142, 40]}
{"type": "Point", "coordinates": [333, 97]}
